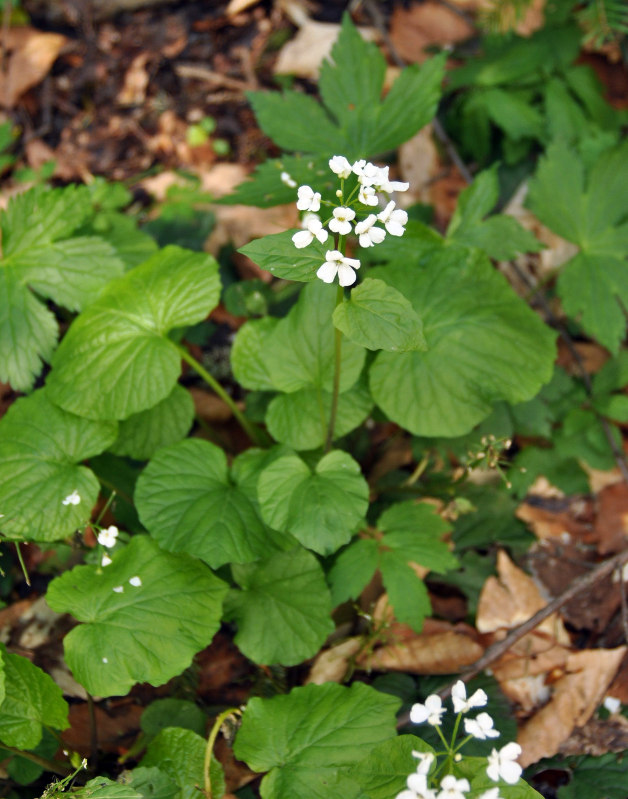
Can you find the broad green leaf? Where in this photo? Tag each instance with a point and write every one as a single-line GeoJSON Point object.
{"type": "Point", "coordinates": [104, 788]}
{"type": "Point", "coordinates": [187, 502]}
{"type": "Point", "coordinates": [277, 254]}
{"type": "Point", "coordinates": [248, 465]}
{"type": "Point", "coordinates": [41, 448]}
{"type": "Point", "coordinates": [501, 237]}
{"type": "Point", "coordinates": [320, 508]}
{"type": "Point", "coordinates": [300, 419]}
{"type": "Point", "coordinates": [595, 289]}
{"type": "Point", "coordinates": [146, 633]}
{"type": "Point", "coordinates": [267, 189]}
{"type": "Point", "coordinates": [406, 591]}
{"type": "Point", "coordinates": [602, 777]}
{"type": "Point", "coordinates": [283, 610]}
{"type": "Point", "coordinates": [247, 354]}
{"type": "Point", "coordinates": [484, 345]}
{"type": "Point", "coordinates": [556, 192]}
{"type": "Point", "coordinates": [474, 203]}
{"type": "Point", "coordinates": [379, 317]}
{"type": "Point", "coordinates": [382, 773]}
{"type": "Point", "coordinates": [127, 362]}
{"type": "Point", "coordinates": [172, 712]}
{"type": "Point", "coordinates": [180, 754]}
{"type": "Point", "coordinates": [612, 376]}
{"type": "Point", "coordinates": [309, 737]}
{"type": "Point", "coordinates": [566, 119]}
{"type": "Point", "coordinates": [28, 332]}
{"type": "Point", "coordinates": [133, 246]}
{"type": "Point", "coordinates": [24, 771]}
{"type": "Point", "coordinates": [152, 783]}
{"type": "Point", "coordinates": [352, 569]}
{"type": "Point", "coordinates": [142, 434]}
{"type": "Point", "coordinates": [300, 351]}
{"type": "Point", "coordinates": [606, 198]}
{"type": "Point", "coordinates": [513, 114]}
{"type": "Point", "coordinates": [416, 531]}
{"type": "Point", "coordinates": [32, 700]}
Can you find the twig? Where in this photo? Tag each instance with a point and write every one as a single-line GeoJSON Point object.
{"type": "Point", "coordinates": [210, 76]}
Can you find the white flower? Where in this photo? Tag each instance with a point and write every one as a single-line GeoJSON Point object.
{"type": "Point", "coordinates": [394, 185]}
{"type": "Point", "coordinates": [135, 581]}
{"type": "Point", "coordinates": [118, 589]}
{"type": "Point", "coordinates": [369, 235]}
{"type": "Point", "coordinates": [425, 761]}
{"type": "Point", "coordinates": [336, 263]}
{"type": "Point", "coordinates": [460, 701]}
{"type": "Point", "coordinates": [431, 711]}
{"type": "Point", "coordinates": [504, 764]}
{"type": "Point", "coordinates": [105, 560]}
{"type": "Point", "coordinates": [105, 660]}
{"type": "Point", "coordinates": [367, 196]}
{"type": "Point", "coordinates": [72, 499]}
{"type": "Point", "coordinates": [451, 788]}
{"type": "Point", "coordinates": [612, 704]}
{"type": "Point", "coordinates": [393, 219]}
{"type": "Point", "coordinates": [288, 180]}
{"type": "Point", "coordinates": [492, 793]}
{"type": "Point", "coordinates": [340, 166]}
{"type": "Point", "coordinates": [372, 175]}
{"type": "Point", "coordinates": [481, 727]}
{"type": "Point", "coordinates": [417, 788]}
{"type": "Point", "coordinates": [358, 166]}
{"type": "Point", "coordinates": [309, 200]}
{"type": "Point", "coordinates": [314, 229]}
{"type": "Point", "coordinates": [107, 538]}
{"type": "Point", "coordinates": [341, 223]}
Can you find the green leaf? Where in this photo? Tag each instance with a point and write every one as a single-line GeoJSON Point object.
{"type": "Point", "coordinates": [383, 772]}
{"type": "Point", "coordinates": [602, 777]}
{"type": "Point", "coordinates": [171, 712]}
{"type": "Point", "coordinates": [104, 788]}
{"type": "Point", "coordinates": [188, 504]}
{"type": "Point", "coordinates": [501, 237]}
{"type": "Point", "coordinates": [484, 345]}
{"type": "Point", "coordinates": [352, 569]}
{"type": "Point", "coordinates": [144, 633]}
{"type": "Point", "coordinates": [152, 783]}
{"type": "Point", "coordinates": [32, 700]}
{"type": "Point", "coordinates": [300, 419]}
{"type": "Point", "coordinates": [180, 754]}
{"type": "Point", "coordinates": [556, 192]}
{"type": "Point", "coordinates": [516, 117]}
{"type": "Point", "coordinates": [606, 199]}
{"type": "Point", "coordinates": [320, 508]}
{"type": "Point", "coordinates": [142, 434]}
{"type": "Point", "coordinates": [41, 448]}
{"type": "Point", "coordinates": [277, 254]}
{"type": "Point", "coordinates": [247, 354]}
{"type": "Point", "coordinates": [474, 203]}
{"type": "Point", "coordinates": [309, 737]}
{"type": "Point", "coordinates": [128, 364]}
{"type": "Point", "coordinates": [406, 591]}
{"type": "Point", "coordinates": [283, 611]}
{"type": "Point", "coordinates": [416, 531]}
{"type": "Point", "coordinates": [474, 769]}
{"type": "Point", "coordinates": [300, 351]}
{"type": "Point", "coordinates": [379, 317]}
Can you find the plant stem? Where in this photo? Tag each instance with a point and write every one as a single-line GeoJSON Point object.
{"type": "Point", "coordinates": [22, 564]}
{"type": "Point", "coordinates": [254, 434]}
{"type": "Point", "coordinates": [50, 765]}
{"type": "Point", "coordinates": [210, 748]}
{"type": "Point", "coordinates": [336, 388]}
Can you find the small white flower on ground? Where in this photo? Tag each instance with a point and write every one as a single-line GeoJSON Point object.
{"type": "Point", "coordinates": [107, 538]}
{"type": "Point", "coordinates": [431, 711]}
{"type": "Point", "coordinates": [503, 764]}
{"type": "Point", "coordinates": [287, 179]}
{"type": "Point", "coordinates": [425, 761]}
{"type": "Point", "coordinates": [451, 788]}
{"type": "Point", "coordinates": [337, 264]}
{"type": "Point", "coordinates": [309, 200]}
{"type": "Point", "coordinates": [105, 660]}
{"type": "Point", "coordinates": [417, 788]}
{"type": "Point", "coordinates": [460, 701]}
{"type": "Point", "coordinates": [341, 223]}
{"type": "Point", "coordinates": [481, 727]}
{"type": "Point", "coordinates": [368, 234]}
{"type": "Point", "coordinates": [612, 704]}
{"type": "Point", "coordinates": [72, 499]}
{"type": "Point", "coordinates": [367, 196]}
{"type": "Point", "coordinates": [314, 229]}
{"type": "Point", "coordinates": [394, 219]}
{"type": "Point", "coordinates": [105, 560]}
{"type": "Point", "coordinates": [340, 166]}
{"type": "Point", "coordinates": [118, 589]}
{"type": "Point", "coordinates": [136, 581]}
{"type": "Point", "coordinates": [492, 793]}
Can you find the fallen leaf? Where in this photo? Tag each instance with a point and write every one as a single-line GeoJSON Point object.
{"type": "Point", "coordinates": [304, 53]}
{"type": "Point", "coordinates": [419, 163]}
{"type": "Point", "coordinates": [332, 664]}
{"type": "Point", "coordinates": [31, 53]}
{"type": "Point", "coordinates": [120, 721]}
{"type": "Point", "coordinates": [597, 737]}
{"type": "Point", "coordinates": [611, 522]}
{"type": "Point", "coordinates": [423, 24]}
{"type": "Point", "coordinates": [575, 697]}
{"type": "Point", "coordinates": [236, 6]}
{"type": "Point", "coordinates": [135, 83]}
{"type": "Point", "coordinates": [209, 406]}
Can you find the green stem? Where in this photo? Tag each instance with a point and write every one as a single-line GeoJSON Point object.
{"type": "Point", "coordinates": [50, 765]}
{"type": "Point", "coordinates": [22, 564]}
{"type": "Point", "coordinates": [254, 434]}
{"type": "Point", "coordinates": [210, 748]}
{"type": "Point", "coordinates": [336, 389]}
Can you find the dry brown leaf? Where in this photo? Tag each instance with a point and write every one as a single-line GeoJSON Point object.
{"type": "Point", "coordinates": [209, 406]}
{"type": "Point", "coordinates": [574, 700]}
{"type": "Point", "coordinates": [31, 54]}
{"type": "Point", "coordinates": [611, 522]}
{"type": "Point", "coordinates": [304, 53]}
{"type": "Point", "coordinates": [236, 6]}
{"type": "Point", "coordinates": [135, 83]}
{"type": "Point", "coordinates": [422, 24]}
{"type": "Point", "coordinates": [419, 163]}
{"type": "Point", "coordinates": [547, 523]}
{"type": "Point", "coordinates": [121, 720]}
{"type": "Point", "coordinates": [332, 664]}
{"type": "Point", "coordinates": [597, 737]}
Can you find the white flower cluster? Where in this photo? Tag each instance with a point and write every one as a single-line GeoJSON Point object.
{"type": "Point", "coordinates": [501, 764]}
{"type": "Point", "coordinates": [371, 179]}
